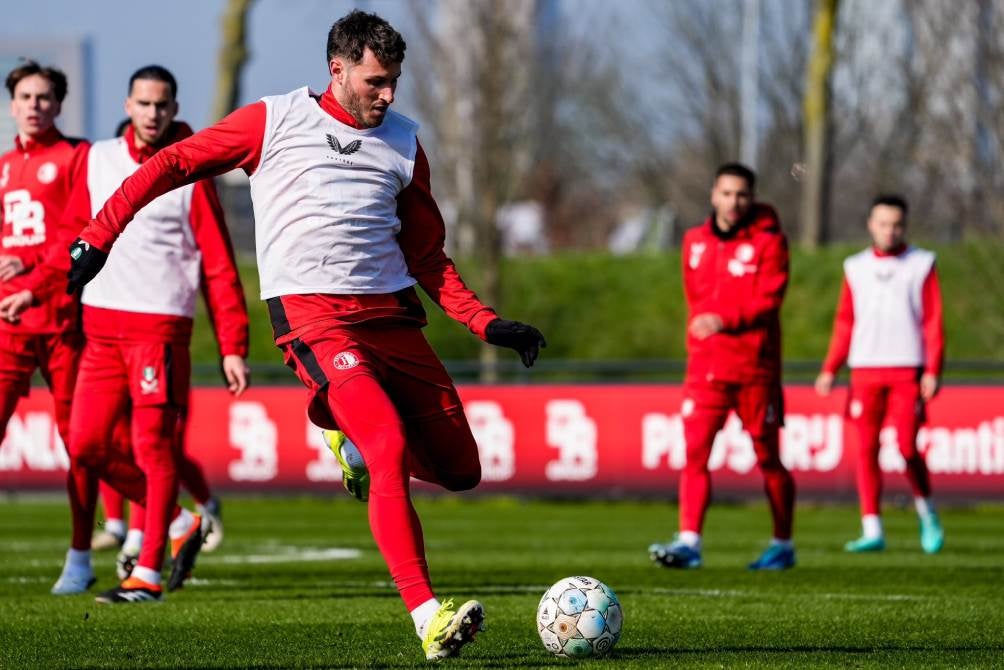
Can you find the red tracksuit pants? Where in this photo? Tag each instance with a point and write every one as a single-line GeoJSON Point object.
{"type": "Point", "coordinates": [153, 379]}
{"type": "Point", "coordinates": [875, 400]}
{"type": "Point", "coordinates": [384, 387]}
{"type": "Point", "coordinates": [706, 406]}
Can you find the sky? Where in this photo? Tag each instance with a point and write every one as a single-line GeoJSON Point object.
{"type": "Point", "coordinates": [287, 44]}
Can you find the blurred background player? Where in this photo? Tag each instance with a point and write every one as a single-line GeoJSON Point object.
{"type": "Point", "coordinates": [888, 329]}
{"type": "Point", "coordinates": [735, 272]}
{"type": "Point", "coordinates": [346, 225]}
{"type": "Point", "coordinates": [36, 179]}
{"type": "Point", "coordinates": [136, 358]}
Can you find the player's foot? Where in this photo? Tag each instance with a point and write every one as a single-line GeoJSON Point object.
{"type": "Point", "coordinates": [450, 629]}
{"type": "Point", "coordinates": [675, 554]}
{"type": "Point", "coordinates": [212, 524]}
{"type": "Point", "coordinates": [183, 553]}
{"type": "Point", "coordinates": [72, 581]}
{"type": "Point", "coordinates": [775, 557]}
{"type": "Point", "coordinates": [124, 564]}
{"type": "Point", "coordinates": [105, 540]}
{"type": "Point", "coordinates": [355, 476]}
{"type": "Point", "coordinates": [932, 535]}
{"type": "Point", "coordinates": [865, 544]}
{"type": "Point", "coordinates": [132, 590]}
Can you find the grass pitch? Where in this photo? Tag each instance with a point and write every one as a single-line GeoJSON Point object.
{"type": "Point", "coordinates": [298, 583]}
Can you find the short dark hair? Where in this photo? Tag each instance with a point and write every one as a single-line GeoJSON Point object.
{"type": "Point", "coordinates": [155, 73]}
{"type": "Point", "coordinates": [890, 200]}
{"type": "Point", "coordinates": [122, 127]}
{"type": "Point", "coordinates": [357, 30]}
{"type": "Point", "coordinates": [29, 67]}
{"type": "Point", "coordinates": [737, 170]}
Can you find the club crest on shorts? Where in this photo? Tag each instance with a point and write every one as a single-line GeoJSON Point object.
{"type": "Point", "coordinates": [346, 360]}
{"type": "Point", "coordinates": [149, 383]}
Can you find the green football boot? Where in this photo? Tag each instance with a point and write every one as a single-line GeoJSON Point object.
{"type": "Point", "coordinates": [932, 535]}
{"type": "Point", "coordinates": [865, 544]}
{"type": "Point", "coordinates": [355, 476]}
{"type": "Point", "coordinates": [450, 629]}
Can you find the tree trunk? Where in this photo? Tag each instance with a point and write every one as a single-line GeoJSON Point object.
{"type": "Point", "coordinates": [233, 55]}
{"type": "Point", "coordinates": [816, 185]}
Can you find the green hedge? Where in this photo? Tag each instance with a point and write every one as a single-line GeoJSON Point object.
{"type": "Point", "coordinates": [595, 306]}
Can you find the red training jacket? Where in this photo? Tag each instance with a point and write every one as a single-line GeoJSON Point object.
{"type": "Point", "coordinates": [36, 179]}
{"type": "Point", "coordinates": [741, 277]}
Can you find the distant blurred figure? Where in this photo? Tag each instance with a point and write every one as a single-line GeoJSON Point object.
{"type": "Point", "coordinates": [888, 329]}
{"type": "Point", "coordinates": [735, 272]}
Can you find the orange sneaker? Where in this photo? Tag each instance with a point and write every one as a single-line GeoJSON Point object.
{"type": "Point", "coordinates": [132, 590]}
{"type": "Point", "coordinates": [183, 553]}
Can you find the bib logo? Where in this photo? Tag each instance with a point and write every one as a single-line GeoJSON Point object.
{"type": "Point", "coordinates": [149, 383]}
{"type": "Point", "coordinates": [47, 173]}
{"type": "Point", "coordinates": [341, 152]}
{"type": "Point", "coordinates": [345, 360]}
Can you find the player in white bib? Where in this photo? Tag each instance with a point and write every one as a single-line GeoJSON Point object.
{"type": "Point", "coordinates": [888, 329]}
{"type": "Point", "coordinates": [345, 227]}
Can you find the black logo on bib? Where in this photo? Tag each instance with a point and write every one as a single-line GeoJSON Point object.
{"type": "Point", "coordinates": [348, 149]}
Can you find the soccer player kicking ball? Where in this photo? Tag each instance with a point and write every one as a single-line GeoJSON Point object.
{"type": "Point", "coordinates": [345, 226]}
{"type": "Point", "coordinates": [138, 317]}
{"type": "Point", "coordinates": [36, 178]}
{"type": "Point", "coordinates": [735, 272]}
{"type": "Point", "coordinates": [888, 329]}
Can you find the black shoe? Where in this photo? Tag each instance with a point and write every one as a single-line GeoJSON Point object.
{"type": "Point", "coordinates": [183, 554]}
{"type": "Point", "coordinates": [132, 591]}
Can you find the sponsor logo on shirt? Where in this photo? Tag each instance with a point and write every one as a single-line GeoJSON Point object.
{"type": "Point", "coordinates": [696, 251]}
{"type": "Point", "coordinates": [149, 383]}
{"type": "Point", "coordinates": [47, 173]}
{"type": "Point", "coordinates": [342, 151]}
{"type": "Point", "coordinates": [24, 220]}
{"type": "Point", "coordinates": [346, 360]}
{"type": "Point", "coordinates": [740, 265]}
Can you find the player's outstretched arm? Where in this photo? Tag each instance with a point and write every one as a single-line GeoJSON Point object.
{"type": "Point", "coordinates": [234, 142]}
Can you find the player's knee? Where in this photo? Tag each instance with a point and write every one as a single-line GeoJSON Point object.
{"type": "Point", "coordinates": [463, 481]}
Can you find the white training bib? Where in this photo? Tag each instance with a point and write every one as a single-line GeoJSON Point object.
{"type": "Point", "coordinates": [325, 200]}
{"type": "Point", "coordinates": [155, 265]}
{"type": "Point", "coordinates": [887, 293]}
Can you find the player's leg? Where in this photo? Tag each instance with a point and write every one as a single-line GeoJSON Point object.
{"type": "Point", "coordinates": [906, 409]}
{"type": "Point", "coordinates": [866, 409]}
{"type": "Point", "coordinates": [761, 409]}
{"type": "Point", "coordinates": [113, 534]}
{"type": "Point", "coordinates": [704, 410]}
{"type": "Point", "coordinates": [193, 479]}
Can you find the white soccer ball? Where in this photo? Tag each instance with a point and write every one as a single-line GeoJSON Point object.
{"type": "Point", "coordinates": [579, 616]}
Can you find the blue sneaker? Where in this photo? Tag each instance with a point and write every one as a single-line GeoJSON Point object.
{"type": "Point", "coordinates": [932, 535]}
{"type": "Point", "coordinates": [864, 545]}
{"type": "Point", "coordinates": [675, 554]}
{"type": "Point", "coordinates": [775, 557]}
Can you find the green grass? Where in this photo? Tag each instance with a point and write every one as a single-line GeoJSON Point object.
{"type": "Point", "coordinates": [593, 306]}
{"type": "Point", "coordinates": [897, 609]}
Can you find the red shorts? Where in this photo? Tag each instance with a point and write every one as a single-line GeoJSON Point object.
{"type": "Point", "coordinates": [149, 373]}
{"type": "Point", "coordinates": [399, 358]}
{"type": "Point", "coordinates": [55, 354]}
{"type": "Point", "coordinates": [760, 406]}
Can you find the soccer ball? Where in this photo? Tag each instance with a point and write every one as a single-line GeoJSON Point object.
{"type": "Point", "coordinates": [579, 616]}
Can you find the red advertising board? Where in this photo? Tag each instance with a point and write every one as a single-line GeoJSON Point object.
{"type": "Point", "coordinates": [555, 440]}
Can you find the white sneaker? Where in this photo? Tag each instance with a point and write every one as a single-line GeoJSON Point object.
{"type": "Point", "coordinates": [73, 581]}
{"type": "Point", "coordinates": [212, 524]}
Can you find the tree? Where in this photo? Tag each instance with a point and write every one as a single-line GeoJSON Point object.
{"type": "Point", "coordinates": [233, 56]}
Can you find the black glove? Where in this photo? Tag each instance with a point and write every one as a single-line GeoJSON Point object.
{"type": "Point", "coordinates": [85, 263]}
{"type": "Point", "coordinates": [524, 338]}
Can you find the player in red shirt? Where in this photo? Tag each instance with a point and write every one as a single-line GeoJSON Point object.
{"type": "Point", "coordinates": [735, 272]}
{"type": "Point", "coordinates": [36, 179]}
{"type": "Point", "coordinates": [888, 329]}
{"type": "Point", "coordinates": [345, 226]}
{"type": "Point", "coordinates": [135, 361]}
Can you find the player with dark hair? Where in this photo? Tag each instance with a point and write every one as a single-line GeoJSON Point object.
{"type": "Point", "coordinates": [36, 179]}
{"type": "Point", "coordinates": [888, 329]}
{"type": "Point", "coordinates": [135, 362]}
{"type": "Point", "coordinates": [735, 272]}
{"type": "Point", "coordinates": [346, 225]}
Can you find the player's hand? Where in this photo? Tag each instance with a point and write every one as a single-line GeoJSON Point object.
{"type": "Point", "coordinates": [929, 385]}
{"type": "Point", "coordinates": [86, 262]}
{"type": "Point", "coordinates": [236, 373]}
{"type": "Point", "coordinates": [705, 325]}
{"type": "Point", "coordinates": [824, 383]}
{"type": "Point", "coordinates": [522, 337]}
{"type": "Point", "coordinates": [10, 267]}
{"type": "Point", "coordinates": [12, 306]}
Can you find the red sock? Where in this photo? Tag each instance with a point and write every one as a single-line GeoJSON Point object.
{"type": "Point", "coordinates": [113, 501]}
{"type": "Point", "coordinates": [778, 484]}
